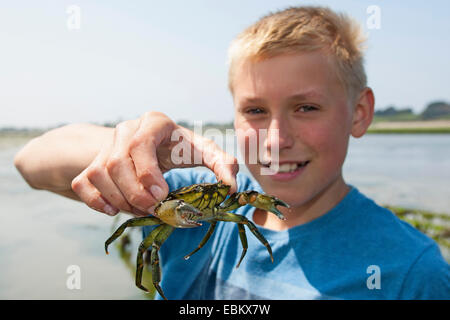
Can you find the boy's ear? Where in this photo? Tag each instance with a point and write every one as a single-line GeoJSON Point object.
{"type": "Point", "coordinates": [363, 112]}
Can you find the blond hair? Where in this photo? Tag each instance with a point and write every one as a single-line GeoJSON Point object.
{"type": "Point", "coordinates": [305, 29]}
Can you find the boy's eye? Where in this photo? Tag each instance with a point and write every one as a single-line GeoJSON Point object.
{"type": "Point", "coordinates": [306, 108]}
{"type": "Point", "coordinates": [254, 110]}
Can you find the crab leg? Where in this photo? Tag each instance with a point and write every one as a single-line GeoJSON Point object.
{"type": "Point", "coordinates": [255, 199]}
{"type": "Point", "coordinates": [229, 216]}
{"type": "Point", "coordinates": [144, 221]}
{"type": "Point", "coordinates": [145, 244]}
{"type": "Point", "coordinates": [243, 238]}
{"type": "Point", "coordinates": [162, 235]}
{"type": "Point", "coordinates": [204, 240]}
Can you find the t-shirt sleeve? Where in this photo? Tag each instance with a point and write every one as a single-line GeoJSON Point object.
{"type": "Point", "coordinates": [177, 178]}
{"type": "Point", "coordinates": [428, 278]}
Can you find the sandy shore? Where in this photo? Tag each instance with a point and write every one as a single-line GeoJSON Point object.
{"type": "Point", "coordinates": [411, 124]}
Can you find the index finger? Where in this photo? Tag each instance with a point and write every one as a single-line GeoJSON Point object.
{"type": "Point", "coordinates": [224, 165]}
{"type": "Point", "coordinates": [154, 128]}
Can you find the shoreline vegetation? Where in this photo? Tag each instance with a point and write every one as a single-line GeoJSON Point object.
{"type": "Point", "coordinates": [410, 127]}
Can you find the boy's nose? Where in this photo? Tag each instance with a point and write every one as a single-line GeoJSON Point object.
{"type": "Point", "coordinates": [279, 133]}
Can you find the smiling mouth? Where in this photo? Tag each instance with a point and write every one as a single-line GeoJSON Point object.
{"type": "Point", "coordinates": [286, 167]}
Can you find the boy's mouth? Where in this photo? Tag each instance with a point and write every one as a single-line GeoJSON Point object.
{"type": "Point", "coordinates": [285, 170]}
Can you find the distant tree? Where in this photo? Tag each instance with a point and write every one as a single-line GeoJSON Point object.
{"type": "Point", "coordinates": [184, 124]}
{"type": "Point", "coordinates": [393, 111]}
{"type": "Point", "coordinates": [436, 110]}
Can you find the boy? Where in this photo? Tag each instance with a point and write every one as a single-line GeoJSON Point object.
{"type": "Point", "coordinates": [298, 73]}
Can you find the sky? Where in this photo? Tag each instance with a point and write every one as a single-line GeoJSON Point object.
{"type": "Point", "coordinates": [123, 58]}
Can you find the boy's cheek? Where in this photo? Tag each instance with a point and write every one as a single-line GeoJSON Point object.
{"type": "Point", "coordinates": [332, 151]}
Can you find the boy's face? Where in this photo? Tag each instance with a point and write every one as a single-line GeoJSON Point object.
{"type": "Point", "coordinates": [300, 95]}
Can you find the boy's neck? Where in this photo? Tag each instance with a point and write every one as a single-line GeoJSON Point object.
{"type": "Point", "coordinates": [313, 209]}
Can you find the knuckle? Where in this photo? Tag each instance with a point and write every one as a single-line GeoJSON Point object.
{"type": "Point", "coordinates": [142, 141]}
{"type": "Point", "coordinates": [139, 139]}
{"type": "Point", "coordinates": [135, 142]}
{"type": "Point", "coordinates": [144, 175]}
{"type": "Point", "coordinates": [113, 163]}
{"type": "Point", "coordinates": [94, 173]}
{"type": "Point", "coordinates": [139, 200]}
{"type": "Point", "coordinates": [77, 183]}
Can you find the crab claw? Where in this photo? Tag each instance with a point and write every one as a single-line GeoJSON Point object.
{"type": "Point", "coordinates": [255, 199]}
{"type": "Point", "coordinates": [265, 202]}
{"type": "Point", "coordinates": [179, 214]}
{"type": "Point", "coordinates": [188, 214]}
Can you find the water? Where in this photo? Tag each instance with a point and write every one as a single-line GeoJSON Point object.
{"type": "Point", "coordinates": [42, 234]}
{"type": "Point", "coordinates": [405, 170]}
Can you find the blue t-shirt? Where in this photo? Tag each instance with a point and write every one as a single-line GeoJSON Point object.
{"type": "Point", "coordinates": [357, 250]}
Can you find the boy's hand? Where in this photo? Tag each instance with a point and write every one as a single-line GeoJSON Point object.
{"type": "Point", "coordinates": [127, 174]}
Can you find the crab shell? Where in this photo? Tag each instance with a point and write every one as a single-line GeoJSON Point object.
{"type": "Point", "coordinates": [203, 196]}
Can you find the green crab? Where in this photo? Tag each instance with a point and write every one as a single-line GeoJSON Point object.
{"type": "Point", "coordinates": [185, 208]}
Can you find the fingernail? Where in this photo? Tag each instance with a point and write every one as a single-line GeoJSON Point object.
{"type": "Point", "coordinates": [110, 210]}
{"type": "Point", "coordinates": [157, 192]}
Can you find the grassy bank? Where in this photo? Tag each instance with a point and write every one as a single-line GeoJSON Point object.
{"type": "Point", "coordinates": [8, 141]}
{"type": "Point", "coordinates": [410, 127]}
{"type": "Point", "coordinates": [409, 130]}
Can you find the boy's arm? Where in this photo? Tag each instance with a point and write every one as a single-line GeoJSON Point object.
{"type": "Point", "coordinates": [118, 169]}
{"type": "Point", "coordinates": [51, 161]}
